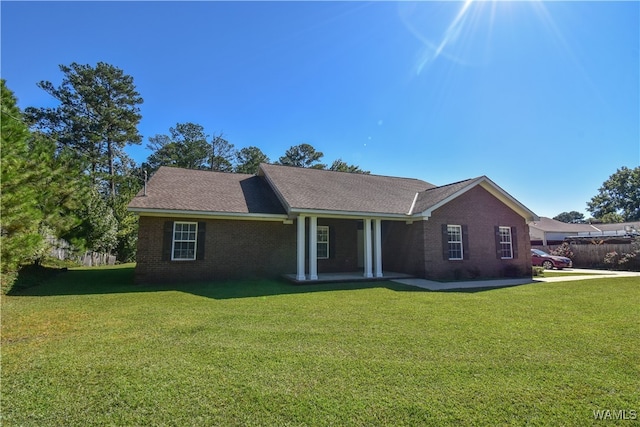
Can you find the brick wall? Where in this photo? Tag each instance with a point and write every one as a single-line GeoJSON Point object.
{"type": "Point", "coordinates": [242, 248]}
{"type": "Point", "coordinates": [343, 246]}
{"type": "Point", "coordinates": [480, 212]}
{"type": "Point", "coordinates": [233, 249]}
{"type": "Point", "coordinates": [403, 247]}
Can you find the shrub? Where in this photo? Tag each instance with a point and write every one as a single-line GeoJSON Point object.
{"type": "Point", "coordinates": [563, 250]}
{"type": "Point", "coordinates": [537, 271]}
{"type": "Point", "coordinates": [631, 260]}
{"type": "Point", "coordinates": [611, 259]}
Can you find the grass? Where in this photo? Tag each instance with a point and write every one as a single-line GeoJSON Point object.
{"type": "Point", "coordinates": [549, 273]}
{"type": "Point", "coordinates": [87, 347]}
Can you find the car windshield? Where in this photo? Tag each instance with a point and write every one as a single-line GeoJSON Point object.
{"type": "Point", "coordinates": [539, 252]}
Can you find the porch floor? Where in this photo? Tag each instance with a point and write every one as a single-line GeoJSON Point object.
{"type": "Point", "coordinates": [356, 276]}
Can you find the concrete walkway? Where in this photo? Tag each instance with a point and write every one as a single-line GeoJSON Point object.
{"type": "Point", "coordinates": [498, 283]}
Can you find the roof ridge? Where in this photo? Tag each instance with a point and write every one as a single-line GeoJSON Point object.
{"type": "Point", "coordinates": [344, 172]}
{"type": "Point", "coordinates": [179, 168]}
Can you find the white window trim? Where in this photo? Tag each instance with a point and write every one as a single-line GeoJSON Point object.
{"type": "Point", "coordinates": [510, 242]}
{"type": "Point", "coordinates": [456, 242]}
{"type": "Point", "coordinates": [174, 241]}
{"type": "Point", "coordinates": [323, 227]}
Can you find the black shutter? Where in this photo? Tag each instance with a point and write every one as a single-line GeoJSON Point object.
{"type": "Point", "coordinates": [514, 242]}
{"type": "Point", "coordinates": [465, 242]}
{"type": "Point", "coordinates": [497, 237]}
{"type": "Point", "coordinates": [167, 240]}
{"type": "Point", "coordinates": [202, 227]}
{"type": "Point", "coordinates": [332, 242]}
{"type": "Point", "coordinates": [445, 242]}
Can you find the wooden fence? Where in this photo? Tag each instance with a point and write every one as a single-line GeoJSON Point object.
{"type": "Point", "coordinates": [590, 255]}
{"type": "Point", "coordinates": [61, 249]}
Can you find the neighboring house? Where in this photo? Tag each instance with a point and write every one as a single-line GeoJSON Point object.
{"type": "Point", "coordinates": [201, 225]}
{"type": "Point", "coordinates": [544, 231]}
{"type": "Point", "coordinates": [547, 231]}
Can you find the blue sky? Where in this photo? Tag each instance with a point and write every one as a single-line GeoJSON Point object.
{"type": "Point", "coordinates": [542, 97]}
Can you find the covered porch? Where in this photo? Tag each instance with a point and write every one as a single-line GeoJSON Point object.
{"type": "Point", "coordinates": [316, 247]}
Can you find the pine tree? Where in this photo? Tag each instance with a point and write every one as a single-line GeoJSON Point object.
{"type": "Point", "coordinates": [96, 119]}
{"type": "Point", "coordinates": [19, 213]}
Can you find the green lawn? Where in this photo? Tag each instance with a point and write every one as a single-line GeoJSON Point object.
{"type": "Point", "coordinates": [552, 273]}
{"type": "Point", "coordinates": [90, 348]}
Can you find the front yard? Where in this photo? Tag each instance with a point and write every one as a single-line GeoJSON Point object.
{"type": "Point", "coordinates": [90, 348]}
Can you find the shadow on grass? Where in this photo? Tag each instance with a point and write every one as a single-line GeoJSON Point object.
{"type": "Point", "coordinates": [119, 279]}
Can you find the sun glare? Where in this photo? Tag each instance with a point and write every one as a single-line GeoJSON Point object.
{"type": "Point", "coordinates": [462, 35]}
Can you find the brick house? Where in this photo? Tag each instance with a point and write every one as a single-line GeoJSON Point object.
{"type": "Point", "coordinates": [201, 225]}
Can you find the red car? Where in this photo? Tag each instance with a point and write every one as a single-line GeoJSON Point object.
{"type": "Point", "coordinates": [549, 262]}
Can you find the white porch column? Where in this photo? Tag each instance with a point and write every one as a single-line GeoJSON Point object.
{"type": "Point", "coordinates": [300, 275]}
{"type": "Point", "coordinates": [377, 246]}
{"type": "Point", "coordinates": [313, 248]}
{"type": "Point", "coordinates": [368, 259]}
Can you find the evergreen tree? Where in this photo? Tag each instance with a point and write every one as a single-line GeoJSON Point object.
{"type": "Point", "coordinates": [302, 156]}
{"type": "Point", "coordinates": [222, 154]}
{"type": "Point", "coordinates": [248, 160]}
{"type": "Point", "coordinates": [61, 188]}
{"type": "Point", "coordinates": [127, 233]}
{"type": "Point", "coordinates": [97, 117]}
{"type": "Point", "coordinates": [340, 166]}
{"type": "Point", "coordinates": [19, 213]}
{"type": "Point", "coordinates": [97, 229]}
{"type": "Point", "coordinates": [186, 147]}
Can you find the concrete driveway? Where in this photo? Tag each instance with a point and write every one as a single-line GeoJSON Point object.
{"type": "Point", "coordinates": [498, 283]}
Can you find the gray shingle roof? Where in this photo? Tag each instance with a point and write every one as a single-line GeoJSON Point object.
{"type": "Point", "coordinates": [429, 198]}
{"type": "Point", "coordinates": [282, 190]}
{"type": "Point", "coordinates": [313, 189]}
{"type": "Point", "coordinates": [552, 225]}
{"type": "Point", "coordinates": [205, 191]}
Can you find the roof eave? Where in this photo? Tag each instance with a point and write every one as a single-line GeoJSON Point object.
{"type": "Point", "coordinates": [349, 214]}
{"type": "Point", "coordinates": [208, 214]}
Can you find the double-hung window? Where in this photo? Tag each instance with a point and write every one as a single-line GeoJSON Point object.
{"type": "Point", "coordinates": [506, 243]}
{"type": "Point", "coordinates": [454, 241]}
{"type": "Point", "coordinates": [323, 242]}
{"type": "Point", "coordinates": [185, 236]}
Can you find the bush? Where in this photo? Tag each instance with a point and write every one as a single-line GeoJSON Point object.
{"type": "Point", "coordinates": [537, 271]}
{"type": "Point", "coordinates": [563, 250]}
{"type": "Point", "coordinates": [625, 260]}
{"type": "Point", "coordinates": [612, 259]}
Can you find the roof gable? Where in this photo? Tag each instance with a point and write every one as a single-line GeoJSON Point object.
{"type": "Point", "coordinates": [430, 200]}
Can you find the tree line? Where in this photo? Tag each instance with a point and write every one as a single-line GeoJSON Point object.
{"type": "Point", "coordinates": [188, 146]}
{"type": "Point", "coordinates": [66, 173]}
